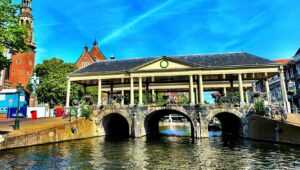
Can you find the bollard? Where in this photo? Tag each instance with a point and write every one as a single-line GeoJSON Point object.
{"type": "Point", "coordinates": [70, 115]}
{"type": "Point", "coordinates": [76, 113]}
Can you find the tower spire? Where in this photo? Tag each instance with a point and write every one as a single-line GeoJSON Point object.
{"type": "Point", "coordinates": [95, 43]}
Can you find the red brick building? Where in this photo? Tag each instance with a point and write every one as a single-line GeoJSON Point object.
{"type": "Point", "coordinates": [21, 68]}
{"type": "Point", "coordinates": [22, 65]}
{"type": "Point", "coordinates": [89, 57]}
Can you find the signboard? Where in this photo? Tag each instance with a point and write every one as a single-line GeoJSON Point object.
{"type": "Point", "coordinates": [2, 97]}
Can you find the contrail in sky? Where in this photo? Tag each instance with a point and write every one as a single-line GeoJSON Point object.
{"type": "Point", "coordinates": [119, 31]}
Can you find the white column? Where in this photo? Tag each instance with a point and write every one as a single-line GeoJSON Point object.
{"type": "Point", "coordinates": [254, 87]}
{"type": "Point", "coordinates": [122, 93]}
{"type": "Point", "coordinates": [68, 93]}
{"type": "Point", "coordinates": [153, 93]}
{"type": "Point", "coordinates": [283, 90]}
{"type": "Point", "coordinates": [140, 91]}
{"type": "Point", "coordinates": [246, 96]}
{"type": "Point", "coordinates": [122, 100]}
{"type": "Point", "coordinates": [267, 89]}
{"type": "Point", "coordinates": [201, 92]}
{"type": "Point", "coordinates": [192, 96]}
{"type": "Point", "coordinates": [99, 93]}
{"type": "Point", "coordinates": [241, 89]}
{"type": "Point", "coordinates": [131, 92]}
{"type": "Point", "coordinates": [197, 94]}
{"type": "Point", "coordinates": [225, 91]}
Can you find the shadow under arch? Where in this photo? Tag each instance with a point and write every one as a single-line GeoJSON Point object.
{"type": "Point", "coordinates": [115, 126]}
{"type": "Point", "coordinates": [151, 122]}
{"type": "Point", "coordinates": [231, 124]}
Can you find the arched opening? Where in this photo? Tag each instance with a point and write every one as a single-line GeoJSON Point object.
{"type": "Point", "coordinates": [178, 124]}
{"type": "Point", "coordinates": [115, 126]}
{"type": "Point", "coordinates": [227, 123]}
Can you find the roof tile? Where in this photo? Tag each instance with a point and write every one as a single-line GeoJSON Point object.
{"type": "Point", "coordinates": [203, 60]}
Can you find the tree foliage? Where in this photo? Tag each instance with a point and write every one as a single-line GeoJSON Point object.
{"type": "Point", "coordinates": [12, 34]}
{"type": "Point", "coordinates": [53, 81]}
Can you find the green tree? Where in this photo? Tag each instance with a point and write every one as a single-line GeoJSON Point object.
{"type": "Point", "coordinates": [12, 34]}
{"type": "Point", "coordinates": [53, 81]}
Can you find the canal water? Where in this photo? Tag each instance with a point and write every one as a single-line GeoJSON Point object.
{"type": "Point", "coordinates": [167, 152]}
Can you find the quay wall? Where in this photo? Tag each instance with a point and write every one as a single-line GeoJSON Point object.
{"type": "Point", "coordinates": [78, 129]}
{"type": "Point", "coordinates": [261, 128]}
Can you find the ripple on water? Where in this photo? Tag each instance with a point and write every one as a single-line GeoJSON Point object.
{"type": "Point", "coordinates": [147, 153]}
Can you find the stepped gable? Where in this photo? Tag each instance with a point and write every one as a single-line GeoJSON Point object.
{"type": "Point", "coordinates": [96, 53]}
{"type": "Point", "coordinates": [85, 59]}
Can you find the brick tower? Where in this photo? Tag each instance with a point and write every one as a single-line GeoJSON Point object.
{"type": "Point", "coordinates": [22, 65]}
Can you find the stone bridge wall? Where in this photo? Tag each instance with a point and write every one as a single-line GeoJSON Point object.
{"type": "Point", "coordinates": [83, 129]}
{"type": "Point", "coordinates": [136, 117]}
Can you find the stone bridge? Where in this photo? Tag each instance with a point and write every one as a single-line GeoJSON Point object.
{"type": "Point", "coordinates": [140, 121]}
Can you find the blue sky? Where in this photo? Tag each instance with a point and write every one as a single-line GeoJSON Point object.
{"type": "Point", "coordinates": [140, 28]}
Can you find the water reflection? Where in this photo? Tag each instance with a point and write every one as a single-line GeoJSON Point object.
{"type": "Point", "coordinates": [167, 152]}
{"type": "Point", "coordinates": [175, 129]}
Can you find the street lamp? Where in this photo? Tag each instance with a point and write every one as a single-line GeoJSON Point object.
{"type": "Point", "coordinates": [19, 88]}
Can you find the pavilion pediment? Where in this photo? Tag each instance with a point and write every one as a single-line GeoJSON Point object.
{"type": "Point", "coordinates": [164, 63]}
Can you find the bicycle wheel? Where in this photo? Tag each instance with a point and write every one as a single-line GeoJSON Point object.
{"type": "Point", "coordinates": [273, 112]}
{"type": "Point", "coordinates": [283, 116]}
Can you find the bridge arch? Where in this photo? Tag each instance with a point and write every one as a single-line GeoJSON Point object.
{"type": "Point", "coordinates": [151, 121]}
{"type": "Point", "coordinates": [230, 119]}
{"type": "Point", "coordinates": [115, 125]}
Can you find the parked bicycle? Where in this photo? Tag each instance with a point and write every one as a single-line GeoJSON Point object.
{"type": "Point", "coordinates": [229, 98]}
{"type": "Point", "coordinates": [276, 111]}
{"type": "Point", "coordinates": [116, 99]}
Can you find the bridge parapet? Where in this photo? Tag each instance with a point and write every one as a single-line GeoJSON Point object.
{"type": "Point", "coordinates": [206, 110]}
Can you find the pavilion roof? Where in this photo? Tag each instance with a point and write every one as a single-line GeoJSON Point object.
{"type": "Point", "coordinates": [198, 60]}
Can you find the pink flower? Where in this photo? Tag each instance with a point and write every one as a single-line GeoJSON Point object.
{"type": "Point", "coordinates": [216, 94]}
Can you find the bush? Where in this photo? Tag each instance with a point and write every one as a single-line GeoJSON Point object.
{"type": "Point", "coordinates": [86, 110]}
{"type": "Point", "coordinates": [260, 107]}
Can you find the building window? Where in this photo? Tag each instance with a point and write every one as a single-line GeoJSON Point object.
{"type": "Point", "coordinates": [298, 69]}
{"type": "Point", "coordinates": [30, 62]}
{"type": "Point", "coordinates": [84, 64]}
{"type": "Point", "coordinates": [18, 61]}
{"type": "Point", "coordinates": [21, 72]}
{"type": "Point", "coordinates": [292, 72]}
{"type": "Point", "coordinates": [27, 73]}
{"type": "Point", "coordinates": [13, 73]}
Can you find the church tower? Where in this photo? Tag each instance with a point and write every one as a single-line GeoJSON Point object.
{"type": "Point", "coordinates": [22, 66]}
{"type": "Point", "coordinates": [27, 19]}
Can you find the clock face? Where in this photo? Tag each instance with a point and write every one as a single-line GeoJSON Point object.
{"type": "Point", "coordinates": [164, 64]}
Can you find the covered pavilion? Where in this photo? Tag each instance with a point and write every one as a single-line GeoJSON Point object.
{"type": "Point", "coordinates": [185, 73]}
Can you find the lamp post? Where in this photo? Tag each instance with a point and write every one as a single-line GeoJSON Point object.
{"type": "Point", "coordinates": [19, 88]}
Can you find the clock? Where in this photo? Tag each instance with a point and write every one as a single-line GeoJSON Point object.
{"type": "Point", "coordinates": [164, 64]}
